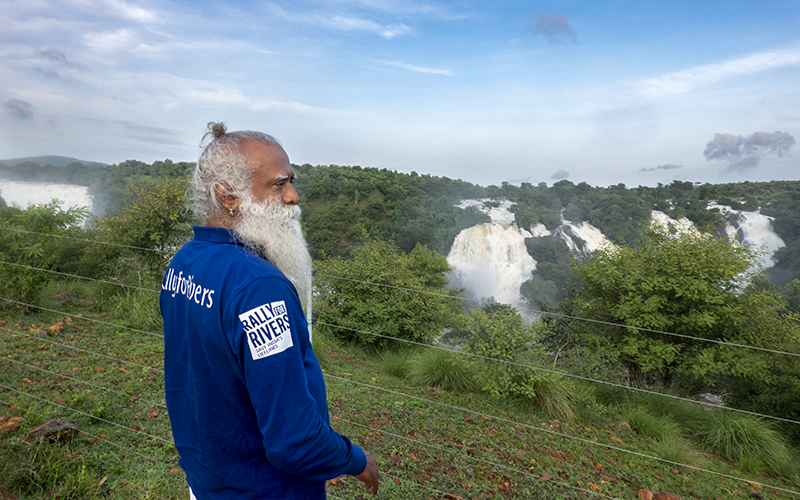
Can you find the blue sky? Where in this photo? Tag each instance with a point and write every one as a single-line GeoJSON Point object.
{"type": "Point", "coordinates": [601, 92]}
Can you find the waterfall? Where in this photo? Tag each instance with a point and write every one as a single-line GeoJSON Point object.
{"type": "Point", "coordinates": [491, 260]}
{"type": "Point", "coordinates": [753, 230]}
{"type": "Point", "coordinates": [24, 194]}
{"type": "Point", "coordinates": [582, 239]}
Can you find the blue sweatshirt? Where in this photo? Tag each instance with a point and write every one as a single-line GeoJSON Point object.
{"type": "Point", "coordinates": [244, 390]}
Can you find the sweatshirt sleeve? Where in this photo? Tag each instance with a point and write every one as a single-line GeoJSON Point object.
{"type": "Point", "coordinates": [285, 383]}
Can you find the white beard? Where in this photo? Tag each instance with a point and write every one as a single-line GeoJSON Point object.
{"type": "Point", "coordinates": [272, 230]}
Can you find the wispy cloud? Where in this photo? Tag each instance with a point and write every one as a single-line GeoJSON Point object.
{"type": "Point", "coordinates": [129, 11]}
{"type": "Point", "coordinates": [111, 41]}
{"type": "Point", "coordinates": [666, 166]}
{"type": "Point", "coordinates": [348, 23]}
{"type": "Point", "coordinates": [680, 82]}
{"type": "Point", "coordinates": [341, 22]}
{"type": "Point", "coordinates": [417, 69]}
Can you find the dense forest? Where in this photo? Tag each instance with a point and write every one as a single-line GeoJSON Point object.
{"type": "Point", "coordinates": [345, 205]}
{"type": "Point", "coordinates": [371, 225]}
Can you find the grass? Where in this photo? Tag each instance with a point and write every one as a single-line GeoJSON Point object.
{"type": "Point", "coordinates": [654, 426]}
{"type": "Point", "coordinates": [429, 441]}
{"type": "Point", "coordinates": [444, 369]}
{"type": "Point", "coordinates": [748, 440]}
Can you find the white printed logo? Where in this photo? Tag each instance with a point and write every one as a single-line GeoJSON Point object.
{"type": "Point", "coordinates": [267, 329]}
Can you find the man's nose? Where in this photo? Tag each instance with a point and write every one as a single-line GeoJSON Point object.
{"type": "Point", "coordinates": [290, 196]}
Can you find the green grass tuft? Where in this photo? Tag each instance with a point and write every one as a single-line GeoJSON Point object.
{"type": "Point", "coordinates": [655, 426]}
{"type": "Point", "coordinates": [748, 440]}
{"type": "Point", "coordinates": [396, 362]}
{"type": "Point", "coordinates": [678, 450]}
{"type": "Point", "coordinates": [140, 310]}
{"type": "Point", "coordinates": [443, 369]}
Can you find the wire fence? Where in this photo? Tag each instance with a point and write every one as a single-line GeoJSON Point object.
{"type": "Point", "coordinates": [29, 367]}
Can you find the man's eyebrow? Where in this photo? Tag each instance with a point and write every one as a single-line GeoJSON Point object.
{"type": "Point", "coordinates": [282, 177]}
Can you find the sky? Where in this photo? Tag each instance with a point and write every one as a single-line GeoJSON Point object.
{"type": "Point", "coordinates": [603, 92]}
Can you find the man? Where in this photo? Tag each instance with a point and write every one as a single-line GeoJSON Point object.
{"type": "Point", "coordinates": [245, 392]}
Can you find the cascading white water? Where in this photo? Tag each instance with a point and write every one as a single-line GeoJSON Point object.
{"type": "Point", "coordinates": [682, 225]}
{"type": "Point", "coordinates": [753, 230]}
{"type": "Point", "coordinates": [590, 237]}
{"type": "Point", "coordinates": [491, 260]}
{"type": "Point", "coordinates": [750, 229]}
{"type": "Point", "coordinates": [30, 193]}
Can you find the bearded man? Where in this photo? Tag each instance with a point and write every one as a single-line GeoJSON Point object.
{"type": "Point", "coordinates": [244, 390]}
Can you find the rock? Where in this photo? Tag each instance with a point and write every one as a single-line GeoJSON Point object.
{"type": "Point", "coordinates": [9, 424]}
{"type": "Point", "coordinates": [53, 431]}
{"type": "Point", "coordinates": [625, 425]}
{"type": "Point", "coordinates": [644, 494]}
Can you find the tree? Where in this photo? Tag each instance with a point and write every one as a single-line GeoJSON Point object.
{"type": "Point", "coordinates": [346, 296]}
{"type": "Point", "coordinates": [690, 284]}
{"type": "Point", "coordinates": [156, 219]}
{"type": "Point", "coordinates": [509, 349]}
{"type": "Point", "coordinates": [26, 247]}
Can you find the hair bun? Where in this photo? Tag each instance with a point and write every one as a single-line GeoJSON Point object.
{"type": "Point", "coordinates": [216, 129]}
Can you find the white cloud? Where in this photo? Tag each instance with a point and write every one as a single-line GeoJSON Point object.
{"type": "Point", "coordinates": [684, 81]}
{"type": "Point", "coordinates": [132, 12]}
{"type": "Point", "coordinates": [341, 22]}
{"type": "Point", "coordinates": [418, 69]}
{"type": "Point", "coordinates": [111, 41]}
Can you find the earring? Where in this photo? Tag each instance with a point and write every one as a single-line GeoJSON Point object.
{"type": "Point", "coordinates": [231, 212]}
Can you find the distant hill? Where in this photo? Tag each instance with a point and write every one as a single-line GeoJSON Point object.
{"type": "Point", "coordinates": [56, 161]}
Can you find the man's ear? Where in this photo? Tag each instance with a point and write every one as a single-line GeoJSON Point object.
{"type": "Point", "coordinates": [228, 201]}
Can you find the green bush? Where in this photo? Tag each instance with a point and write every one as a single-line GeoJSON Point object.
{"type": "Point", "coordinates": [657, 427]}
{"type": "Point", "coordinates": [396, 362]}
{"type": "Point", "coordinates": [748, 440]}
{"type": "Point", "coordinates": [322, 343]}
{"type": "Point", "coordinates": [679, 451]}
{"type": "Point", "coordinates": [140, 310]}
{"type": "Point", "coordinates": [510, 351]}
{"type": "Point", "coordinates": [444, 369]}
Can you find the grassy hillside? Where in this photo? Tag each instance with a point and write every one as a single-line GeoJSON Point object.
{"type": "Point", "coordinates": [95, 360]}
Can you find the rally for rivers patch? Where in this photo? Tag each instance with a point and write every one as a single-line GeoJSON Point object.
{"type": "Point", "coordinates": [267, 329]}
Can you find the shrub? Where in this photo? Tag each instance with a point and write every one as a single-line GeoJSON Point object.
{"type": "Point", "coordinates": [396, 362]}
{"type": "Point", "coordinates": [748, 440]}
{"type": "Point", "coordinates": [322, 343]}
{"type": "Point", "coordinates": [140, 309]}
{"type": "Point", "coordinates": [658, 427]}
{"type": "Point", "coordinates": [506, 343]}
{"type": "Point", "coordinates": [444, 369]}
{"type": "Point", "coordinates": [677, 450]}
{"type": "Point", "coordinates": [689, 416]}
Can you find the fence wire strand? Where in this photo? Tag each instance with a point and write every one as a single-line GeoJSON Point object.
{"type": "Point", "coordinates": [96, 242]}
{"type": "Point", "coordinates": [84, 382]}
{"type": "Point", "coordinates": [84, 318]}
{"type": "Point", "coordinates": [107, 441]}
{"type": "Point", "coordinates": [578, 318]}
{"type": "Point", "coordinates": [550, 431]}
{"type": "Point", "coordinates": [73, 410]}
{"type": "Point", "coordinates": [467, 457]}
{"type": "Point", "coordinates": [565, 374]}
{"type": "Point", "coordinates": [82, 350]}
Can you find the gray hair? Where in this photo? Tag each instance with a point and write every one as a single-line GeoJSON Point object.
{"type": "Point", "coordinates": [223, 165]}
